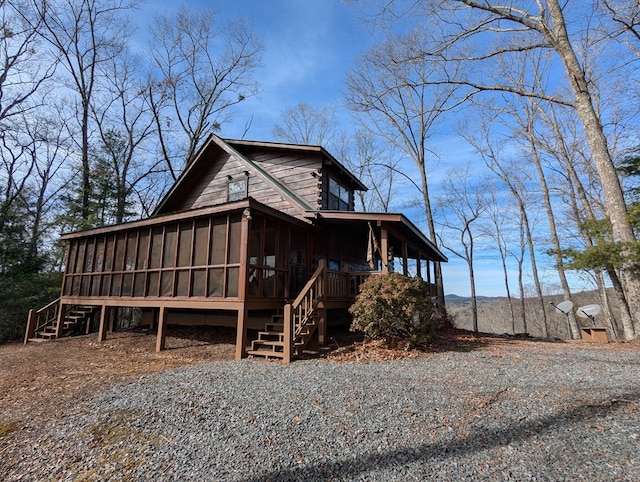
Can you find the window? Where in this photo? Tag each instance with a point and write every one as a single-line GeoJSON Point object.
{"type": "Point", "coordinates": [237, 189]}
{"type": "Point", "coordinates": [338, 196]}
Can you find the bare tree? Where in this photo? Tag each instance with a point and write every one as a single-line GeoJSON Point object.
{"type": "Point", "coordinates": [465, 26]}
{"type": "Point", "coordinates": [125, 127]}
{"type": "Point", "coordinates": [498, 226]}
{"type": "Point", "coordinates": [83, 35]}
{"type": "Point", "coordinates": [515, 178]}
{"type": "Point", "coordinates": [392, 88]}
{"type": "Point", "coordinates": [460, 204]}
{"type": "Point", "coordinates": [303, 124]}
{"type": "Point", "coordinates": [376, 166]}
{"type": "Point", "coordinates": [202, 70]}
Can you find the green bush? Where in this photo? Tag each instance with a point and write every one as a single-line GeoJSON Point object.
{"type": "Point", "coordinates": [20, 292]}
{"type": "Point", "coordinates": [393, 307]}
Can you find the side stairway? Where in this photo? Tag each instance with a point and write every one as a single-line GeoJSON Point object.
{"type": "Point", "coordinates": [43, 323]}
{"type": "Point", "coordinates": [289, 333]}
{"type": "Point", "coordinates": [271, 341]}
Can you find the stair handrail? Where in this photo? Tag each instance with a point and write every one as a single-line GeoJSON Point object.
{"type": "Point", "coordinates": [46, 307]}
{"type": "Point", "coordinates": [297, 313]}
{"type": "Point", "coordinates": [33, 322]}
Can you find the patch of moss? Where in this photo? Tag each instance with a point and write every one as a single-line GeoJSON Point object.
{"type": "Point", "coordinates": [7, 428]}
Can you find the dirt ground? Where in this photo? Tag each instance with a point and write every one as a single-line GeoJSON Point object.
{"type": "Point", "coordinates": [40, 380]}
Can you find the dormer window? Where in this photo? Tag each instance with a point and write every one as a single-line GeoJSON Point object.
{"type": "Point", "coordinates": [237, 189]}
{"type": "Point", "coordinates": [338, 196]}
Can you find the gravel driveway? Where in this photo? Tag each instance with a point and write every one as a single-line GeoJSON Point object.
{"type": "Point", "coordinates": [539, 411]}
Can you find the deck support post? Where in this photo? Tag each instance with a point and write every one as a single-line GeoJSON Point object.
{"type": "Point", "coordinates": [31, 326]}
{"type": "Point", "coordinates": [162, 329]}
{"type": "Point", "coordinates": [405, 259]}
{"type": "Point", "coordinates": [322, 324]}
{"type": "Point", "coordinates": [288, 333]}
{"type": "Point", "coordinates": [384, 250]}
{"type": "Point", "coordinates": [60, 321]}
{"type": "Point", "coordinates": [241, 333]}
{"type": "Point", "coordinates": [102, 332]}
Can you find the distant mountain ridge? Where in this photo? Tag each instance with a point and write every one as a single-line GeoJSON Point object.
{"type": "Point", "coordinates": [453, 298]}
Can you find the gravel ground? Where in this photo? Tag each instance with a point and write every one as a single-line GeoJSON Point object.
{"type": "Point", "coordinates": [538, 412]}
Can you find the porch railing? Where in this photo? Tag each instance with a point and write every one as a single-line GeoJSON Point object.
{"type": "Point", "coordinates": [39, 319]}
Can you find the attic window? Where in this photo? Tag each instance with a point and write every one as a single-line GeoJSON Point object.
{"type": "Point", "coordinates": [338, 196]}
{"type": "Point", "coordinates": [237, 189]}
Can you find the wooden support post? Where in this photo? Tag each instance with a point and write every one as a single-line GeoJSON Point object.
{"type": "Point", "coordinates": [288, 333]}
{"type": "Point", "coordinates": [322, 324]}
{"type": "Point", "coordinates": [384, 248]}
{"type": "Point", "coordinates": [102, 332]}
{"type": "Point", "coordinates": [419, 266]}
{"type": "Point", "coordinates": [60, 321]}
{"type": "Point", "coordinates": [31, 326]}
{"type": "Point", "coordinates": [112, 317]}
{"type": "Point", "coordinates": [241, 333]}
{"type": "Point", "coordinates": [322, 263]}
{"type": "Point", "coordinates": [162, 329]}
{"type": "Point", "coordinates": [405, 259]}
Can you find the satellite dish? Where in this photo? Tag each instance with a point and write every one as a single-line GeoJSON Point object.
{"type": "Point", "coordinates": [564, 307]}
{"type": "Point", "coordinates": [588, 311]}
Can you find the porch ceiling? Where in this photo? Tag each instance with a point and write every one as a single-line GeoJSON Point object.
{"type": "Point", "coordinates": [398, 225]}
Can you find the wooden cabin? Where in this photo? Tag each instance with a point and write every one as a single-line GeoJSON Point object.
{"type": "Point", "coordinates": [256, 235]}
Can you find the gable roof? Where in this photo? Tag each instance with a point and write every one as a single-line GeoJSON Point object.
{"type": "Point", "coordinates": [195, 169]}
{"type": "Point", "coordinates": [357, 184]}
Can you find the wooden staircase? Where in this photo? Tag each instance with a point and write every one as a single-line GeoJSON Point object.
{"type": "Point", "coordinates": [47, 323]}
{"type": "Point", "coordinates": [288, 333]}
{"type": "Point", "coordinates": [270, 343]}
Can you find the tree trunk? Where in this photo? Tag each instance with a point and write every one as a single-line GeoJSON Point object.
{"type": "Point", "coordinates": [594, 133]}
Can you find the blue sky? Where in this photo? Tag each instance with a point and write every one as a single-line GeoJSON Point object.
{"type": "Point", "coordinates": [309, 46]}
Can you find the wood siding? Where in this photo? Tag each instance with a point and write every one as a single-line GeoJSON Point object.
{"type": "Point", "coordinates": [211, 189]}
{"type": "Point", "coordinates": [300, 173]}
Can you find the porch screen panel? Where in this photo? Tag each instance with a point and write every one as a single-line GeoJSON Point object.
{"type": "Point", "coordinates": [108, 252]}
{"type": "Point", "coordinates": [198, 282]}
{"type": "Point", "coordinates": [99, 261]}
{"type": "Point", "coordinates": [73, 253]}
{"type": "Point", "coordinates": [235, 227]}
{"type": "Point", "coordinates": [185, 242]}
{"type": "Point", "coordinates": [233, 276]}
{"type": "Point", "coordinates": [255, 249]}
{"type": "Point", "coordinates": [139, 284]}
{"type": "Point", "coordinates": [106, 285]}
{"type": "Point", "coordinates": [142, 261]}
{"type": "Point", "coordinates": [130, 257]}
{"type": "Point", "coordinates": [116, 284]}
{"type": "Point", "coordinates": [182, 283]}
{"type": "Point", "coordinates": [166, 283]}
{"type": "Point", "coordinates": [82, 248]}
{"type": "Point", "coordinates": [127, 284]}
{"type": "Point", "coordinates": [269, 259]}
{"type": "Point", "coordinates": [219, 241]}
{"type": "Point", "coordinates": [201, 244]}
{"type": "Point", "coordinates": [153, 283]}
{"type": "Point", "coordinates": [95, 285]}
{"type": "Point", "coordinates": [156, 247]}
{"type": "Point", "coordinates": [170, 245]}
{"type": "Point", "coordinates": [88, 259]}
{"type": "Point", "coordinates": [216, 282]}
{"type": "Point", "coordinates": [120, 251]}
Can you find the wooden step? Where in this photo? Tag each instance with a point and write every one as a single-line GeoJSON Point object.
{"type": "Point", "coordinates": [270, 336]}
{"type": "Point", "coordinates": [266, 354]}
{"type": "Point", "coordinates": [267, 343]}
